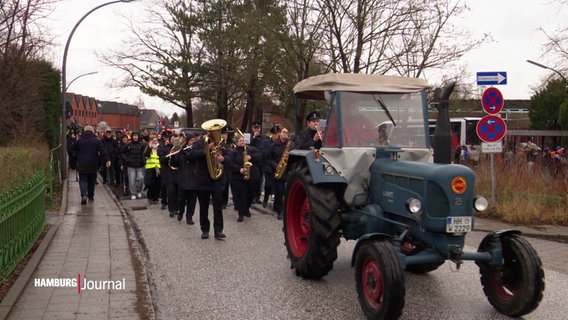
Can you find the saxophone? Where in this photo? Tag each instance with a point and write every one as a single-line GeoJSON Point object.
{"type": "Point", "coordinates": [246, 164]}
{"type": "Point", "coordinates": [281, 167]}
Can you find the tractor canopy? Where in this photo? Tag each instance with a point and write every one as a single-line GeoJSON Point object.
{"type": "Point", "coordinates": [370, 110]}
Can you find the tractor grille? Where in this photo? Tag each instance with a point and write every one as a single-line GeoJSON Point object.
{"type": "Point", "coordinates": [404, 182]}
{"type": "Point", "coordinates": [437, 202]}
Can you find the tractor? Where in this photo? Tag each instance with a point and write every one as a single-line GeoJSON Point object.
{"type": "Point", "coordinates": [379, 180]}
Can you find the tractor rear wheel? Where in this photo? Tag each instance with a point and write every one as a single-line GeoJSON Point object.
{"type": "Point", "coordinates": [514, 289]}
{"type": "Point", "coordinates": [380, 280]}
{"type": "Point", "coordinates": [311, 225]}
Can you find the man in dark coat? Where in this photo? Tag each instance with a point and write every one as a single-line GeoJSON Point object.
{"type": "Point", "coordinates": [207, 188]}
{"type": "Point", "coordinates": [89, 150]}
{"type": "Point", "coordinates": [261, 142]}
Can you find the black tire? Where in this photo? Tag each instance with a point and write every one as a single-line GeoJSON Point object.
{"type": "Point", "coordinates": [515, 289]}
{"type": "Point", "coordinates": [380, 280]}
{"type": "Point", "coordinates": [311, 225]}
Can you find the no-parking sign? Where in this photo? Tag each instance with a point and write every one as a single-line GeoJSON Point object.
{"type": "Point", "coordinates": [491, 128]}
{"type": "Point", "coordinates": [492, 100]}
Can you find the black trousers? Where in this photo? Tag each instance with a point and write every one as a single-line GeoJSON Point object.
{"type": "Point", "coordinates": [187, 200]}
{"type": "Point", "coordinates": [153, 185]}
{"type": "Point", "coordinates": [278, 195]}
{"type": "Point", "coordinates": [172, 196]}
{"type": "Point", "coordinates": [204, 198]}
{"type": "Point", "coordinates": [244, 192]}
{"type": "Point", "coordinates": [268, 185]}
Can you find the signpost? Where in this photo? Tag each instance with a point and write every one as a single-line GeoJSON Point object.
{"type": "Point", "coordinates": [491, 128]}
{"type": "Point", "coordinates": [491, 78]}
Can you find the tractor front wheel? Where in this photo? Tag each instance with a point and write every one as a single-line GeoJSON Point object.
{"type": "Point", "coordinates": [380, 280]}
{"type": "Point", "coordinates": [515, 288]}
{"type": "Point", "coordinates": [311, 225]}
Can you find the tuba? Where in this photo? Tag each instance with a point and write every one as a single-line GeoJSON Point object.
{"type": "Point", "coordinates": [246, 164]}
{"type": "Point", "coordinates": [213, 128]}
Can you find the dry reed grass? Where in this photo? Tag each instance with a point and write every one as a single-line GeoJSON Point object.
{"type": "Point", "coordinates": [20, 164]}
{"type": "Point", "coordinates": [523, 194]}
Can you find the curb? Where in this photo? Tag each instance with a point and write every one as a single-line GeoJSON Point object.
{"type": "Point", "coordinates": [143, 279]}
{"type": "Point", "coordinates": [16, 290]}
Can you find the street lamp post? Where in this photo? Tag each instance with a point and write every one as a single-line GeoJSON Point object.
{"type": "Point", "coordinates": [79, 76]}
{"type": "Point", "coordinates": [64, 88]}
{"type": "Point", "coordinates": [549, 68]}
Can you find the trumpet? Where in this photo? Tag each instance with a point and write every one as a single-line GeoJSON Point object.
{"type": "Point", "coordinates": [178, 143]}
{"type": "Point", "coordinates": [318, 132]}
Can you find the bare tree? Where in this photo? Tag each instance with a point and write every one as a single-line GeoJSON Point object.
{"type": "Point", "coordinates": [391, 36]}
{"type": "Point", "coordinates": [163, 58]}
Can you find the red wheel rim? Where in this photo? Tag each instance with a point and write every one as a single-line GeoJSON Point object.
{"type": "Point", "coordinates": [506, 284]}
{"type": "Point", "coordinates": [298, 219]}
{"type": "Point", "coordinates": [372, 282]}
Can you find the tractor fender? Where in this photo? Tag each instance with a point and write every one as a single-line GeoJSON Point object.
{"type": "Point", "coordinates": [319, 168]}
{"type": "Point", "coordinates": [495, 235]}
{"type": "Point", "coordinates": [366, 237]}
{"type": "Point", "coordinates": [492, 243]}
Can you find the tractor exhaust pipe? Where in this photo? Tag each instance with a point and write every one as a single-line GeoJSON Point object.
{"type": "Point", "coordinates": [442, 135]}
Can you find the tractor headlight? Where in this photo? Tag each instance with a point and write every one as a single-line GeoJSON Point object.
{"type": "Point", "coordinates": [414, 205]}
{"type": "Point", "coordinates": [480, 203]}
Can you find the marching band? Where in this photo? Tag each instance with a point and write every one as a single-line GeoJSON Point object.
{"type": "Point", "coordinates": [205, 166]}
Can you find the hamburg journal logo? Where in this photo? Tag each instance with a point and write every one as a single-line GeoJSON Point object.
{"type": "Point", "coordinates": [80, 284]}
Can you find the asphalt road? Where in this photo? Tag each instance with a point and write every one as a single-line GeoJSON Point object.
{"type": "Point", "coordinates": [248, 276]}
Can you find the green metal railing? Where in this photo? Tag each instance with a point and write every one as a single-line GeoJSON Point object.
{"type": "Point", "coordinates": [22, 217]}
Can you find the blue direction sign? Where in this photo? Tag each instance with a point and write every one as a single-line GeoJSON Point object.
{"type": "Point", "coordinates": [491, 78]}
{"type": "Point", "coordinates": [492, 100]}
{"type": "Point", "coordinates": [491, 128]}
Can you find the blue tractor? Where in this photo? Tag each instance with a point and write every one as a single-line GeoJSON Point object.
{"type": "Point", "coordinates": [376, 180]}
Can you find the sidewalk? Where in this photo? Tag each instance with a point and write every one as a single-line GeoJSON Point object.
{"type": "Point", "coordinates": [85, 266]}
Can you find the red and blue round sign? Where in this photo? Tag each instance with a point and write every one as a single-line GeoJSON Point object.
{"type": "Point", "coordinates": [492, 100]}
{"type": "Point", "coordinates": [491, 128]}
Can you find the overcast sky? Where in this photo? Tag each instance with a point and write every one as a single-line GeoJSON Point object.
{"type": "Point", "coordinates": [513, 25]}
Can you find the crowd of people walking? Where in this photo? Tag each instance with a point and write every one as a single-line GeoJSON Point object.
{"type": "Point", "coordinates": [178, 170]}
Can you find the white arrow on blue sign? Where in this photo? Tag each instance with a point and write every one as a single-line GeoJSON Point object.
{"type": "Point", "coordinates": [491, 78]}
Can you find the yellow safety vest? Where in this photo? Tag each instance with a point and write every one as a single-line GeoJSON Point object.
{"type": "Point", "coordinates": [153, 161]}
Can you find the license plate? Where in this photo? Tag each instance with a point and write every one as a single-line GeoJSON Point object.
{"type": "Point", "coordinates": [459, 224]}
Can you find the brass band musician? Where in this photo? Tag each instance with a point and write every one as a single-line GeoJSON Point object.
{"type": "Point", "coordinates": [244, 171]}
{"type": "Point", "coordinates": [312, 135]}
{"type": "Point", "coordinates": [274, 159]}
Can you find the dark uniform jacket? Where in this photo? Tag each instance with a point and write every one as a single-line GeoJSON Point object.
{"type": "Point", "coordinates": [89, 151]}
{"type": "Point", "coordinates": [185, 175]}
{"type": "Point", "coordinates": [166, 173]}
{"type": "Point", "coordinates": [305, 139]}
{"type": "Point", "coordinates": [274, 155]}
{"type": "Point", "coordinates": [236, 162]}
{"type": "Point", "coordinates": [202, 179]}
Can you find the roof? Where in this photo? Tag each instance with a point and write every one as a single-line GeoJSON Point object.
{"type": "Point", "coordinates": [314, 87]}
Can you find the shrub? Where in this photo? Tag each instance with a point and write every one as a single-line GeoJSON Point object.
{"type": "Point", "coordinates": [21, 164]}
{"type": "Point", "coordinates": [523, 194]}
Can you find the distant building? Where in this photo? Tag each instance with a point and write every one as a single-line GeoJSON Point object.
{"type": "Point", "coordinates": [119, 115]}
{"type": "Point", "coordinates": [87, 111]}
